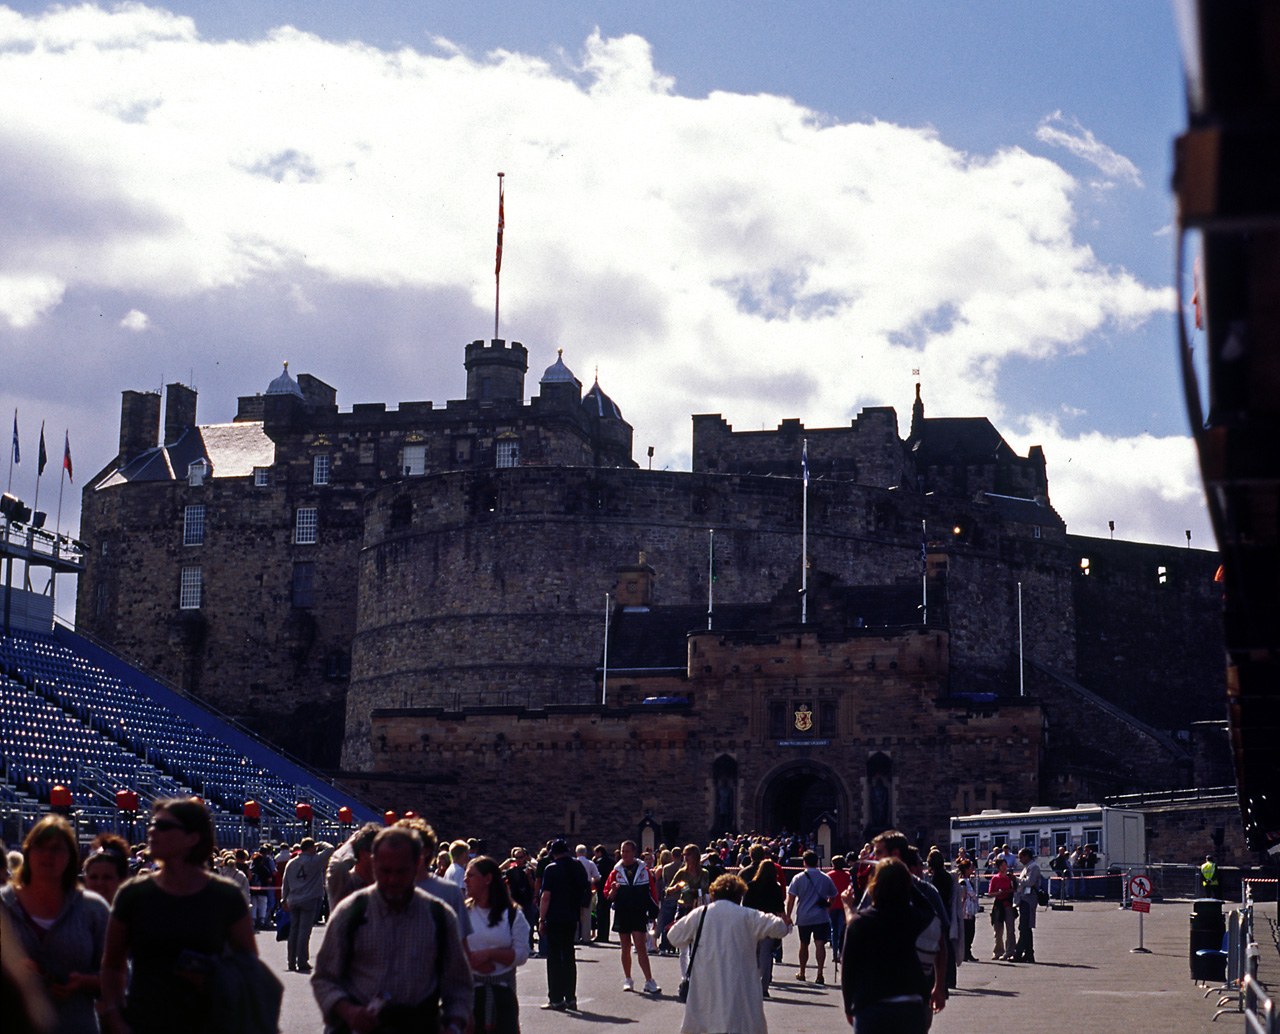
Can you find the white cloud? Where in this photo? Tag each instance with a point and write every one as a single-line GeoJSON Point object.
{"type": "Point", "coordinates": [135, 320]}
{"type": "Point", "coordinates": [1149, 486]}
{"type": "Point", "coordinates": [27, 296]}
{"type": "Point", "coordinates": [1083, 144]}
{"type": "Point", "coordinates": [732, 253]}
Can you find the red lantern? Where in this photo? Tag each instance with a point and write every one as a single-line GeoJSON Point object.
{"type": "Point", "coordinates": [126, 800]}
{"type": "Point", "coordinates": [252, 811]}
{"type": "Point", "coordinates": [59, 797]}
{"type": "Point", "coordinates": [390, 818]}
{"type": "Point", "coordinates": [345, 816]}
{"type": "Point", "coordinates": [410, 814]}
{"type": "Point", "coordinates": [303, 811]}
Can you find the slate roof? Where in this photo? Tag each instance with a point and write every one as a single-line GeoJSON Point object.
{"type": "Point", "coordinates": [229, 450]}
{"type": "Point", "coordinates": [951, 440]}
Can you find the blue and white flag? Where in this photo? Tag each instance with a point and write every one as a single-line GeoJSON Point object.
{"type": "Point", "coordinates": [804, 462]}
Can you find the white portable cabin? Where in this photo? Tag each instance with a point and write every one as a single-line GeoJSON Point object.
{"type": "Point", "coordinates": [1117, 834]}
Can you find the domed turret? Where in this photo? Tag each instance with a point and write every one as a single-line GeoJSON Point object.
{"type": "Point", "coordinates": [559, 388]}
{"type": "Point", "coordinates": [558, 373]}
{"type": "Point", "coordinates": [284, 385]}
{"type": "Point", "coordinates": [598, 404]}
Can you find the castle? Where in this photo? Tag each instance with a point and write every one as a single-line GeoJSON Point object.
{"type": "Point", "coordinates": [417, 598]}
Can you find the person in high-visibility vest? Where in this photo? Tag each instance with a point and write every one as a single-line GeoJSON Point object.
{"type": "Point", "coordinates": [1209, 876]}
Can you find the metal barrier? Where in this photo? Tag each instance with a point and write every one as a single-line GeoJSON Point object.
{"type": "Point", "coordinates": [1260, 1013]}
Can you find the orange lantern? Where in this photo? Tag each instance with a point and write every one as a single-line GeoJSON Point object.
{"type": "Point", "coordinates": [59, 797]}
{"type": "Point", "coordinates": [126, 800]}
{"type": "Point", "coordinates": [390, 818]}
{"type": "Point", "coordinates": [345, 816]}
{"type": "Point", "coordinates": [252, 811]}
{"type": "Point", "coordinates": [303, 811]}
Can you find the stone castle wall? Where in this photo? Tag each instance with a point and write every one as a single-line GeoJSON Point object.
{"type": "Point", "coordinates": [490, 588]}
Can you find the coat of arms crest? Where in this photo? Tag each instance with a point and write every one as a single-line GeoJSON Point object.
{"type": "Point", "coordinates": [804, 718]}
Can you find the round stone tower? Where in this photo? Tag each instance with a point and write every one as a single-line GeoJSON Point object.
{"type": "Point", "coordinates": [496, 371]}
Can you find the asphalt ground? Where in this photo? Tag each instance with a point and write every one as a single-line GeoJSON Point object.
{"type": "Point", "coordinates": [1086, 980]}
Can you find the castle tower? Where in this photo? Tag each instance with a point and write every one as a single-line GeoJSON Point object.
{"type": "Point", "coordinates": [496, 371]}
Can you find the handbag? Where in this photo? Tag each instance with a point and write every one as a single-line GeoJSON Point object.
{"type": "Point", "coordinates": [823, 902]}
{"type": "Point", "coordinates": [683, 993]}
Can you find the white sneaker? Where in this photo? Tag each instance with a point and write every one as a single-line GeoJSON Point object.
{"type": "Point", "coordinates": [651, 987]}
{"type": "Point", "coordinates": [628, 984]}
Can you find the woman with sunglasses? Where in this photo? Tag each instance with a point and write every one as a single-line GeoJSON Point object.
{"type": "Point", "coordinates": [167, 924]}
{"type": "Point", "coordinates": [60, 927]}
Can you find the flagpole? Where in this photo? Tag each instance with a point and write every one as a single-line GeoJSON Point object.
{"type": "Point", "coordinates": [804, 539]}
{"type": "Point", "coordinates": [1022, 689]}
{"type": "Point", "coordinates": [497, 262]}
{"type": "Point", "coordinates": [604, 676]}
{"type": "Point", "coordinates": [711, 574]}
{"type": "Point", "coordinates": [39, 468]}
{"type": "Point", "coordinates": [13, 448]}
{"type": "Point", "coordinates": [924, 572]}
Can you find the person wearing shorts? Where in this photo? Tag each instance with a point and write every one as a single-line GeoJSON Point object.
{"type": "Point", "coordinates": [813, 891]}
{"type": "Point", "coordinates": [630, 889]}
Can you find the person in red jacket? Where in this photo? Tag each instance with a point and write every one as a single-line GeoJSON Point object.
{"type": "Point", "coordinates": [1001, 891]}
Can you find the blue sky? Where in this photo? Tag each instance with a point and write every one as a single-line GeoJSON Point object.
{"type": "Point", "coordinates": [766, 210]}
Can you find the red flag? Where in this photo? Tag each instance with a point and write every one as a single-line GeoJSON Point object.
{"type": "Point", "coordinates": [66, 458]}
{"type": "Point", "coordinates": [1195, 298]}
{"type": "Point", "coordinates": [497, 262]}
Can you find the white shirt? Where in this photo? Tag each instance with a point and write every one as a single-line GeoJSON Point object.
{"type": "Point", "coordinates": [514, 935]}
{"type": "Point", "coordinates": [456, 873]}
{"type": "Point", "coordinates": [593, 872]}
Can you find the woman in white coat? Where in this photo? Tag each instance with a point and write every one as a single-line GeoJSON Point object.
{"type": "Point", "coordinates": [724, 983]}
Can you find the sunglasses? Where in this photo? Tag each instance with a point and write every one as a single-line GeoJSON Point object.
{"type": "Point", "coordinates": [165, 825]}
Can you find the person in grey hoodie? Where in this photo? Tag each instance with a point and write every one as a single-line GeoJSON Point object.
{"type": "Point", "coordinates": [302, 893]}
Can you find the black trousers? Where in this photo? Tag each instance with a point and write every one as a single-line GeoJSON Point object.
{"type": "Point", "coordinates": [562, 966]}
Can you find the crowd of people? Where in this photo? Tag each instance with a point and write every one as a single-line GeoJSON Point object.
{"type": "Point", "coordinates": [422, 935]}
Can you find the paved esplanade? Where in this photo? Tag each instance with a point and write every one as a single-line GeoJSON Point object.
{"type": "Point", "coordinates": [1086, 980]}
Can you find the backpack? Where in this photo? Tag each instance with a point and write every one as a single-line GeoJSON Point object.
{"type": "Point", "coordinates": [519, 886]}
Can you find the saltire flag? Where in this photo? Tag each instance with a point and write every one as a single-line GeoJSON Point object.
{"type": "Point", "coordinates": [804, 463]}
{"type": "Point", "coordinates": [497, 262]}
{"type": "Point", "coordinates": [713, 557]}
{"type": "Point", "coordinates": [924, 551]}
{"type": "Point", "coordinates": [17, 452]}
{"type": "Point", "coordinates": [66, 457]}
{"type": "Point", "coordinates": [43, 457]}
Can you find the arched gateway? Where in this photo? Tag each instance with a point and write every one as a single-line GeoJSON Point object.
{"type": "Point", "coordinates": [797, 795]}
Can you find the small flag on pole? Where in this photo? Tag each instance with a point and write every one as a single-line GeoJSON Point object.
{"type": "Point", "coordinates": [66, 457]}
{"type": "Point", "coordinates": [17, 452]}
{"type": "Point", "coordinates": [924, 550]}
{"type": "Point", "coordinates": [804, 462]}
{"type": "Point", "coordinates": [43, 457]}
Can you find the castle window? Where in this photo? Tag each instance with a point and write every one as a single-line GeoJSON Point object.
{"type": "Point", "coordinates": [1036, 530]}
{"type": "Point", "coordinates": [337, 665]}
{"type": "Point", "coordinates": [304, 577]}
{"type": "Point", "coordinates": [1084, 565]}
{"type": "Point", "coordinates": [508, 453]}
{"type": "Point", "coordinates": [193, 526]}
{"type": "Point", "coordinates": [413, 460]}
{"type": "Point", "coordinates": [827, 718]}
{"type": "Point", "coordinates": [196, 471]}
{"type": "Point", "coordinates": [304, 528]}
{"type": "Point", "coordinates": [401, 512]}
{"type": "Point", "coordinates": [191, 588]}
{"type": "Point", "coordinates": [104, 545]}
{"type": "Point", "coordinates": [777, 721]}
{"type": "Point", "coordinates": [368, 452]}
{"type": "Point", "coordinates": [1162, 575]}
{"type": "Point", "coordinates": [320, 469]}
{"type": "Point", "coordinates": [462, 450]}
{"type": "Point", "coordinates": [102, 600]}
{"type": "Point", "coordinates": [261, 477]}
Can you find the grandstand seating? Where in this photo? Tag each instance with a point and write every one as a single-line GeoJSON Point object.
{"type": "Point", "coordinates": [66, 719]}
